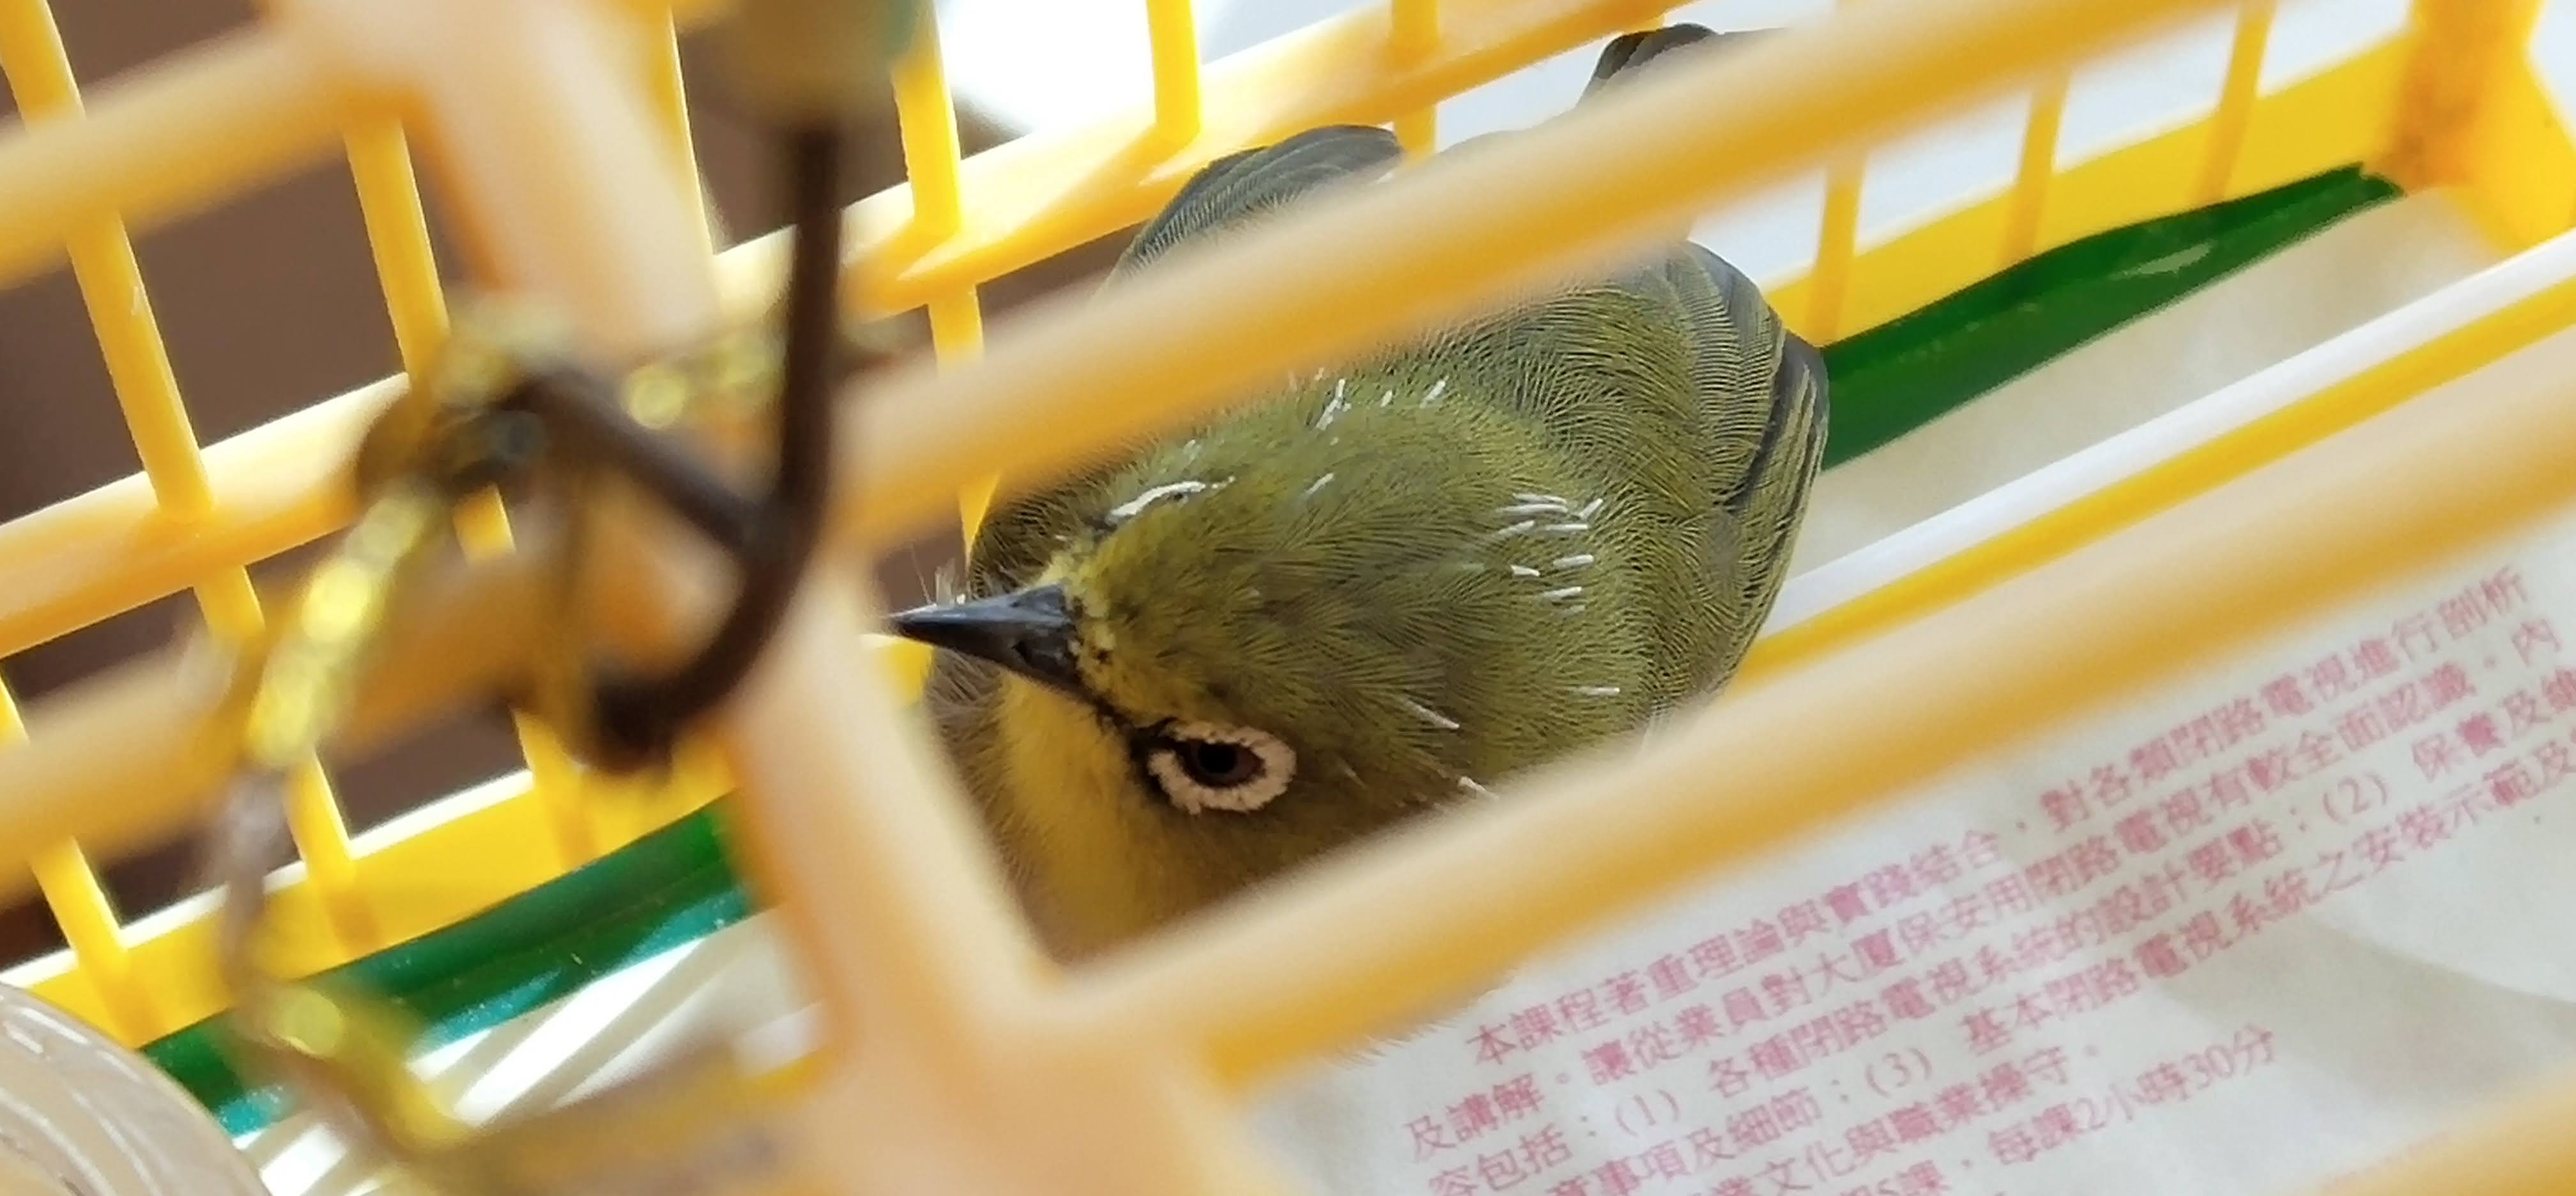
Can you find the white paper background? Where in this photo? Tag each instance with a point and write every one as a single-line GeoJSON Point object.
{"type": "Point", "coordinates": [2383, 1010]}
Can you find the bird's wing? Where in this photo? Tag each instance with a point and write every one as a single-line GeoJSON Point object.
{"type": "Point", "coordinates": [1764, 400]}
{"type": "Point", "coordinates": [1254, 181]}
{"type": "Point", "coordinates": [1760, 390]}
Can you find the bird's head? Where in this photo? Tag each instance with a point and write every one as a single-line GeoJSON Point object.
{"type": "Point", "coordinates": [1265, 641]}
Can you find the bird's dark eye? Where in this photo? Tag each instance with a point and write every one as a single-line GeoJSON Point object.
{"type": "Point", "coordinates": [1218, 765]}
{"type": "Point", "coordinates": [1206, 767]}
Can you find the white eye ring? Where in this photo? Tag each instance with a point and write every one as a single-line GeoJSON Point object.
{"type": "Point", "coordinates": [1276, 766]}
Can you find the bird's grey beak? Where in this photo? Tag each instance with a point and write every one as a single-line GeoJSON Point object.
{"type": "Point", "coordinates": [1029, 632]}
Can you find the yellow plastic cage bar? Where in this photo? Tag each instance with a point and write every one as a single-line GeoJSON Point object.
{"type": "Point", "coordinates": [920, 943]}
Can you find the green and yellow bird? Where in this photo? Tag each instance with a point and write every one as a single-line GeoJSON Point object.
{"type": "Point", "coordinates": [1380, 590]}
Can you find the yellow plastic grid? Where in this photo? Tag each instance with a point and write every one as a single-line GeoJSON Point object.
{"type": "Point", "coordinates": [391, 206]}
{"type": "Point", "coordinates": [2452, 102]}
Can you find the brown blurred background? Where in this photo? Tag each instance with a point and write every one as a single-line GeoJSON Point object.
{"type": "Point", "coordinates": [268, 304]}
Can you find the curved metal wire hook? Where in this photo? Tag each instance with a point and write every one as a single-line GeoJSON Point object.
{"type": "Point", "coordinates": [635, 719]}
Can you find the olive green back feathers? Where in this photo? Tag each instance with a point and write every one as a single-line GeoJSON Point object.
{"type": "Point", "coordinates": [1392, 582]}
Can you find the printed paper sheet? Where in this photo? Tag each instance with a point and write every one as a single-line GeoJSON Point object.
{"type": "Point", "coordinates": [2266, 927]}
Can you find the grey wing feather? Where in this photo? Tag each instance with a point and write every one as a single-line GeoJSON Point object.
{"type": "Point", "coordinates": [1764, 401]}
{"type": "Point", "coordinates": [1630, 52]}
{"type": "Point", "coordinates": [1246, 184]}
{"type": "Point", "coordinates": [1766, 452]}
{"type": "Point", "coordinates": [1742, 348]}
